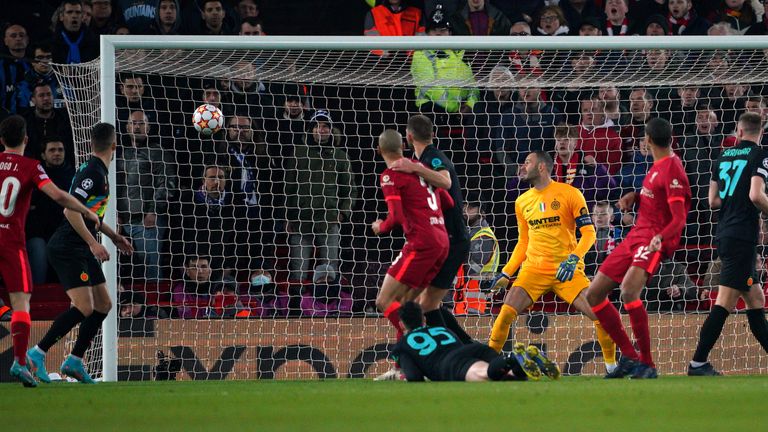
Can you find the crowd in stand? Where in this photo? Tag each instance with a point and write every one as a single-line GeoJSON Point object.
{"type": "Point", "coordinates": [268, 217]}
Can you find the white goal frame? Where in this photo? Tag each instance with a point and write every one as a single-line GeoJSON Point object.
{"type": "Point", "coordinates": [110, 43]}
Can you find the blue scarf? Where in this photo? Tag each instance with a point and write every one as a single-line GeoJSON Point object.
{"type": "Point", "coordinates": [73, 55]}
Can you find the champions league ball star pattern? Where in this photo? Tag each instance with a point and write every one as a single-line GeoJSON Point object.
{"type": "Point", "coordinates": [208, 119]}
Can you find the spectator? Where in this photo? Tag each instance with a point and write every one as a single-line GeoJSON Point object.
{"type": "Point", "coordinates": [656, 25]}
{"type": "Point", "coordinates": [669, 288]}
{"type": "Point", "coordinates": [479, 18]}
{"type": "Point", "coordinates": [761, 27]}
{"type": "Point", "coordinates": [73, 42]}
{"type": "Point", "coordinates": [33, 15]}
{"type": "Point", "coordinates": [526, 62]}
{"type": "Point", "coordinates": [248, 9]}
{"type": "Point", "coordinates": [614, 109]}
{"type": "Point", "coordinates": [320, 193]}
{"type": "Point", "coordinates": [255, 180]}
{"type": "Point", "coordinates": [138, 15]}
{"type": "Point", "coordinates": [251, 27]}
{"type": "Point", "coordinates": [146, 180]}
{"type": "Point", "coordinates": [168, 18]}
{"type": "Point", "coordinates": [393, 18]}
{"type": "Point", "coordinates": [45, 120]}
{"type": "Point", "coordinates": [633, 171]}
{"type": "Point", "coordinates": [683, 19]}
{"type": "Point", "coordinates": [226, 300]}
{"type": "Point", "coordinates": [579, 170]}
{"type": "Point", "coordinates": [482, 263]}
{"type": "Point", "coordinates": [87, 13]}
{"type": "Point", "coordinates": [489, 112]}
{"type": "Point", "coordinates": [45, 215]}
{"type": "Point", "coordinates": [325, 296]}
{"type": "Point", "coordinates": [552, 22]}
{"type": "Point", "coordinates": [448, 7]}
{"type": "Point", "coordinates": [133, 304]}
{"type": "Point", "coordinates": [730, 104]}
{"type": "Point", "coordinates": [721, 29]}
{"type": "Point", "coordinates": [105, 18]}
{"type": "Point", "coordinates": [575, 11]}
{"type": "Point", "coordinates": [598, 134]}
{"type": "Point", "coordinates": [739, 14]}
{"type": "Point", "coordinates": [271, 301]}
{"type": "Point", "coordinates": [431, 66]}
{"type": "Point", "coordinates": [618, 23]}
{"type": "Point", "coordinates": [287, 128]}
{"type": "Point", "coordinates": [192, 294]}
{"type": "Point", "coordinates": [608, 237]}
{"type": "Point", "coordinates": [247, 93]}
{"type": "Point", "coordinates": [757, 105]}
{"type": "Point", "coordinates": [640, 108]}
{"type": "Point", "coordinates": [213, 20]}
{"type": "Point", "coordinates": [683, 109]}
{"type": "Point", "coordinates": [41, 71]}
{"type": "Point", "coordinates": [567, 101]}
{"type": "Point", "coordinates": [529, 126]}
{"type": "Point", "coordinates": [699, 148]}
{"type": "Point", "coordinates": [122, 29]}
{"type": "Point", "coordinates": [13, 67]}
{"type": "Point", "coordinates": [590, 27]}
{"type": "Point", "coordinates": [131, 98]}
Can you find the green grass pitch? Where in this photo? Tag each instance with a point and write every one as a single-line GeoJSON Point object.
{"type": "Point", "coordinates": [571, 404]}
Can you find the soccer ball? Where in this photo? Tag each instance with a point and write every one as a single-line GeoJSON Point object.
{"type": "Point", "coordinates": [208, 119]}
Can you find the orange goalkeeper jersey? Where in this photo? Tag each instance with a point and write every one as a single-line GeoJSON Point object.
{"type": "Point", "coordinates": [547, 221]}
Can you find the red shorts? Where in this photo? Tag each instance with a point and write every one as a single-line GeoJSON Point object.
{"type": "Point", "coordinates": [14, 268]}
{"type": "Point", "coordinates": [417, 267]}
{"type": "Point", "coordinates": [631, 252]}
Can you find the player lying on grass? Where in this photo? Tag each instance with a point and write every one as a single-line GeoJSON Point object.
{"type": "Point", "coordinates": [437, 354]}
{"type": "Point", "coordinates": [415, 206]}
{"type": "Point", "coordinates": [548, 216]}
{"type": "Point", "coordinates": [737, 188]}
{"type": "Point", "coordinates": [663, 206]}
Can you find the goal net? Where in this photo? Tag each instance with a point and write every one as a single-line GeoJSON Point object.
{"type": "Point", "coordinates": [254, 253]}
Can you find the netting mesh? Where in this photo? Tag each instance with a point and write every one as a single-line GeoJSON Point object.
{"type": "Point", "coordinates": [259, 251]}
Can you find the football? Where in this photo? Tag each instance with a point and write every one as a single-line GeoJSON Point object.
{"type": "Point", "coordinates": [207, 119]}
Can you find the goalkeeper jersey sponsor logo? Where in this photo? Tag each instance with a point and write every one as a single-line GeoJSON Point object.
{"type": "Point", "coordinates": [548, 221]}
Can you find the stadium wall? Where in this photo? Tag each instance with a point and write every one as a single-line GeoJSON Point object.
{"type": "Point", "coordinates": [357, 347]}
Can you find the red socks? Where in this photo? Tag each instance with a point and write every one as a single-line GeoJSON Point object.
{"type": "Point", "coordinates": [638, 317]}
{"type": "Point", "coordinates": [394, 318]}
{"type": "Point", "coordinates": [20, 326]}
{"type": "Point", "coordinates": [611, 321]}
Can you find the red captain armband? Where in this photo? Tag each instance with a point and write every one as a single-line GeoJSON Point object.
{"type": "Point", "coordinates": [446, 202]}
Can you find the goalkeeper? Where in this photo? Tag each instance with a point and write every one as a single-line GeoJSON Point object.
{"type": "Point", "coordinates": [547, 216]}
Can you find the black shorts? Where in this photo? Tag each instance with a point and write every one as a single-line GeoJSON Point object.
{"type": "Point", "coordinates": [738, 258]}
{"type": "Point", "coordinates": [455, 364]}
{"type": "Point", "coordinates": [74, 263]}
{"type": "Point", "coordinates": [457, 256]}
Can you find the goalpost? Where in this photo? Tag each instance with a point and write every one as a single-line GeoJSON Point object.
{"type": "Point", "coordinates": [617, 78]}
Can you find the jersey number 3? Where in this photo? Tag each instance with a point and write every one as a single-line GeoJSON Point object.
{"type": "Point", "coordinates": [730, 172]}
{"type": "Point", "coordinates": [431, 199]}
{"type": "Point", "coordinates": [9, 191]}
{"type": "Point", "coordinates": [426, 343]}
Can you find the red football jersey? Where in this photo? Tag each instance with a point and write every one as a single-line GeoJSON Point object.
{"type": "Point", "coordinates": [422, 219]}
{"type": "Point", "coordinates": [19, 176]}
{"type": "Point", "coordinates": [665, 183]}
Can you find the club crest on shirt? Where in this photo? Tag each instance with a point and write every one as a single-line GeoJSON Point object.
{"type": "Point", "coordinates": [555, 205]}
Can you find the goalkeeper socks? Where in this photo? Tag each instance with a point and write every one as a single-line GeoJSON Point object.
{"type": "Point", "coordinates": [393, 315]}
{"type": "Point", "coordinates": [497, 369]}
{"type": "Point", "coordinates": [610, 320]}
{"type": "Point", "coordinates": [434, 318]}
{"type": "Point", "coordinates": [710, 332]}
{"type": "Point", "coordinates": [454, 326]}
{"type": "Point", "coordinates": [62, 325]}
{"type": "Point", "coordinates": [638, 318]}
{"type": "Point", "coordinates": [607, 346]}
{"type": "Point", "coordinates": [500, 331]}
{"type": "Point", "coordinates": [20, 325]}
{"type": "Point", "coordinates": [759, 326]}
{"type": "Point", "coordinates": [88, 330]}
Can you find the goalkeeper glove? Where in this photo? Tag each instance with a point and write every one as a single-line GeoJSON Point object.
{"type": "Point", "coordinates": [567, 268]}
{"type": "Point", "coordinates": [501, 281]}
